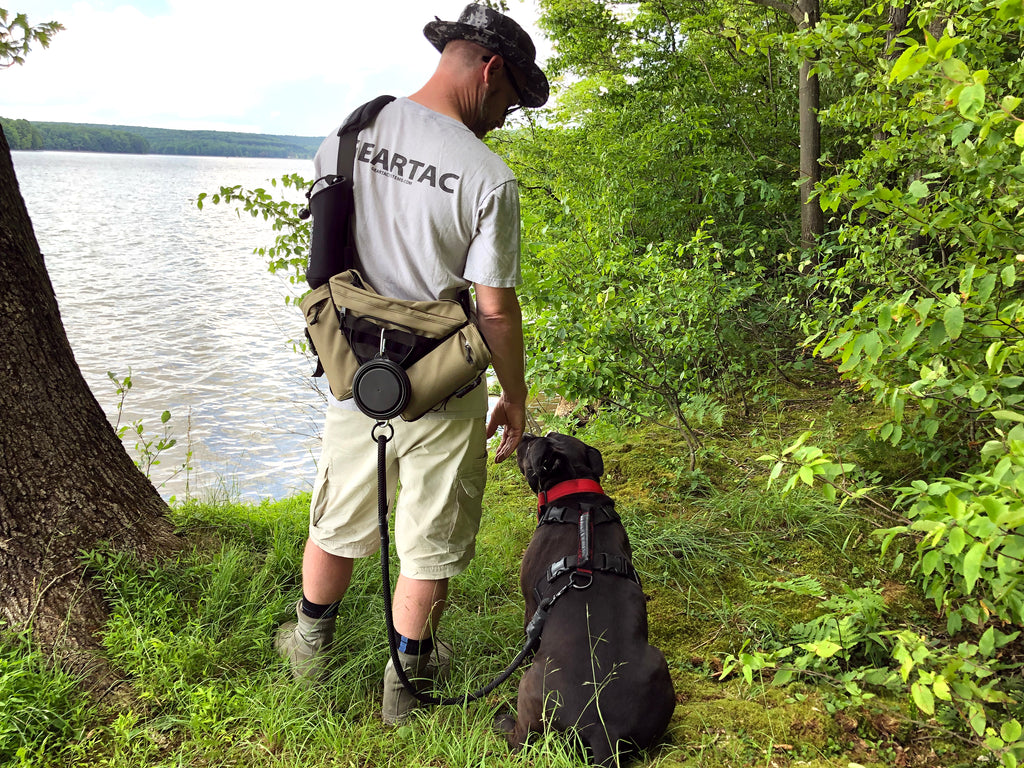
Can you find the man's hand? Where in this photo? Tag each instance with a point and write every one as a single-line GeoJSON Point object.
{"type": "Point", "coordinates": [512, 417]}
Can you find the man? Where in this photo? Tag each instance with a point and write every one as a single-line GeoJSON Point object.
{"type": "Point", "coordinates": [437, 211]}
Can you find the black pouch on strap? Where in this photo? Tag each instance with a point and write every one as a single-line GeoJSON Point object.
{"type": "Point", "coordinates": [332, 243]}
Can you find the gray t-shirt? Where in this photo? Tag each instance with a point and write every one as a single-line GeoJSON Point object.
{"type": "Point", "coordinates": [436, 210]}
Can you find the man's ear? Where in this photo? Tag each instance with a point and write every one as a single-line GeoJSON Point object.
{"type": "Point", "coordinates": [492, 68]}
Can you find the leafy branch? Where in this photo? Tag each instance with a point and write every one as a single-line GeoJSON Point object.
{"type": "Point", "coordinates": [17, 37]}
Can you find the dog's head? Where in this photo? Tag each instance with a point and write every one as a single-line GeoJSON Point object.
{"type": "Point", "coordinates": [547, 461]}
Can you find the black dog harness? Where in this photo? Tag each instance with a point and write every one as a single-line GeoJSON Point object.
{"type": "Point", "coordinates": [581, 566]}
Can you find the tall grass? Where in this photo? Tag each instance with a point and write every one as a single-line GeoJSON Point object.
{"type": "Point", "coordinates": [40, 707]}
{"type": "Point", "coordinates": [192, 637]}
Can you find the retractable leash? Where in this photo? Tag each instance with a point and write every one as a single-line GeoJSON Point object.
{"type": "Point", "coordinates": [381, 433]}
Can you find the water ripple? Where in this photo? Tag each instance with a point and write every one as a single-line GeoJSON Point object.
{"type": "Point", "coordinates": [146, 281]}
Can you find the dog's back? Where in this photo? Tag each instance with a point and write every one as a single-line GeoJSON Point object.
{"type": "Point", "coordinates": [594, 673]}
{"type": "Point", "coordinates": [599, 675]}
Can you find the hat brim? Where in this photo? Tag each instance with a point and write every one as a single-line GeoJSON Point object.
{"type": "Point", "coordinates": [535, 88]}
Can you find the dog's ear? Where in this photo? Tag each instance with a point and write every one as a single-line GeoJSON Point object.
{"type": "Point", "coordinates": [595, 462]}
{"type": "Point", "coordinates": [529, 463]}
{"type": "Point", "coordinates": [542, 462]}
{"type": "Point", "coordinates": [550, 461]}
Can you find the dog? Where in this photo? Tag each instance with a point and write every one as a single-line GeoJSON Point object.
{"type": "Point", "coordinates": [594, 672]}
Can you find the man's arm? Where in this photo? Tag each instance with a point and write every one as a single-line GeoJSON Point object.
{"type": "Point", "coordinates": [501, 323]}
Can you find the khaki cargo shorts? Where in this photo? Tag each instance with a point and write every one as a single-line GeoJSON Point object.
{"type": "Point", "coordinates": [440, 466]}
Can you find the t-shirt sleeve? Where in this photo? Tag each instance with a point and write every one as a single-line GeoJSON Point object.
{"type": "Point", "coordinates": [493, 257]}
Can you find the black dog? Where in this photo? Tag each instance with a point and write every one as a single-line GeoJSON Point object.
{"type": "Point", "coordinates": [594, 672]}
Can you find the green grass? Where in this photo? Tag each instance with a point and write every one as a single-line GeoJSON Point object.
{"type": "Point", "coordinates": [723, 559]}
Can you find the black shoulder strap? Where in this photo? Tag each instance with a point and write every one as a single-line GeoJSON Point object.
{"type": "Point", "coordinates": [353, 124]}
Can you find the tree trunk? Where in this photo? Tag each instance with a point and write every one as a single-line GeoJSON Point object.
{"type": "Point", "coordinates": [66, 483]}
{"type": "Point", "coordinates": [806, 14]}
{"type": "Point", "coordinates": [812, 220]}
{"type": "Point", "coordinates": [899, 15]}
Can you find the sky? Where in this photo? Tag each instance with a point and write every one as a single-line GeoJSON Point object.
{"type": "Point", "coordinates": [290, 67]}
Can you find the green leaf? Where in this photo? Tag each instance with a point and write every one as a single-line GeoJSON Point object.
{"type": "Point", "coordinates": [953, 319]}
{"type": "Point", "coordinates": [990, 355]}
{"type": "Point", "coordinates": [807, 475]}
{"type": "Point", "coordinates": [961, 132]}
{"type": "Point", "coordinates": [1018, 135]}
{"type": "Point", "coordinates": [1010, 9]}
{"type": "Point", "coordinates": [1009, 273]}
{"type": "Point", "coordinates": [823, 649]}
{"type": "Point", "coordinates": [923, 307]}
{"type": "Point", "coordinates": [1008, 415]}
{"type": "Point", "coordinates": [884, 317]}
{"type": "Point", "coordinates": [909, 62]}
{"type": "Point", "coordinates": [930, 560]}
{"type": "Point", "coordinates": [923, 698]}
{"type": "Point", "coordinates": [978, 719]}
{"type": "Point", "coordinates": [918, 189]}
{"type": "Point", "coordinates": [955, 70]}
{"type": "Point", "coordinates": [956, 541]}
{"type": "Point", "coordinates": [972, 100]}
{"type": "Point", "coordinates": [987, 643]}
{"type": "Point", "coordinates": [782, 677]}
{"type": "Point", "coordinates": [972, 564]}
{"type": "Point", "coordinates": [1010, 731]}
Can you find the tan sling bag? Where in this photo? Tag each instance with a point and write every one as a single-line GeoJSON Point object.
{"type": "Point", "coordinates": [440, 350]}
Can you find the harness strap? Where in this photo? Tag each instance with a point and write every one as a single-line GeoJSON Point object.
{"type": "Point", "coordinates": [602, 561]}
{"type": "Point", "coordinates": [601, 513]}
{"type": "Point", "coordinates": [585, 550]}
{"type": "Point", "coordinates": [582, 565]}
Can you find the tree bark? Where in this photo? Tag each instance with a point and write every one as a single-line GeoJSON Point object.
{"type": "Point", "coordinates": [806, 14]}
{"type": "Point", "coordinates": [66, 483]}
{"type": "Point", "coordinates": [899, 15]}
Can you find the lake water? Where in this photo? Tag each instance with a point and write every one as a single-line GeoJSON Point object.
{"type": "Point", "coordinates": [147, 282]}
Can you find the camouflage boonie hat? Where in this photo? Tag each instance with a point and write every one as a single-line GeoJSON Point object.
{"type": "Point", "coordinates": [498, 34]}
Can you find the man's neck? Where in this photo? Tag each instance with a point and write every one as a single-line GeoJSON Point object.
{"type": "Point", "coordinates": [451, 93]}
{"type": "Point", "coordinates": [437, 101]}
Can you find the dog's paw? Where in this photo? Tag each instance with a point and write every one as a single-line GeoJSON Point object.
{"type": "Point", "coordinates": [505, 722]}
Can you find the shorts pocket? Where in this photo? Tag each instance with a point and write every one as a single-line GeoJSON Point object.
{"type": "Point", "coordinates": [318, 501]}
{"type": "Point", "coordinates": [469, 499]}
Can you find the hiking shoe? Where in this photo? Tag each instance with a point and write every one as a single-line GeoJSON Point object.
{"type": "Point", "coordinates": [422, 671]}
{"type": "Point", "coordinates": [304, 644]}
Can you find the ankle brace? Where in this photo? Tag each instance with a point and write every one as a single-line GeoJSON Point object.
{"type": "Point", "coordinates": [415, 647]}
{"type": "Point", "coordinates": [319, 611]}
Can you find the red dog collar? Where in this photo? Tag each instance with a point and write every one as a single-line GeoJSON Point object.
{"type": "Point", "coordinates": [567, 488]}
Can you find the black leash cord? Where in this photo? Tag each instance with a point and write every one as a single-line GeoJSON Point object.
{"type": "Point", "coordinates": [533, 632]}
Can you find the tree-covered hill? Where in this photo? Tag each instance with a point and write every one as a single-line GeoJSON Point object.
{"type": "Point", "coordinates": [81, 137]}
